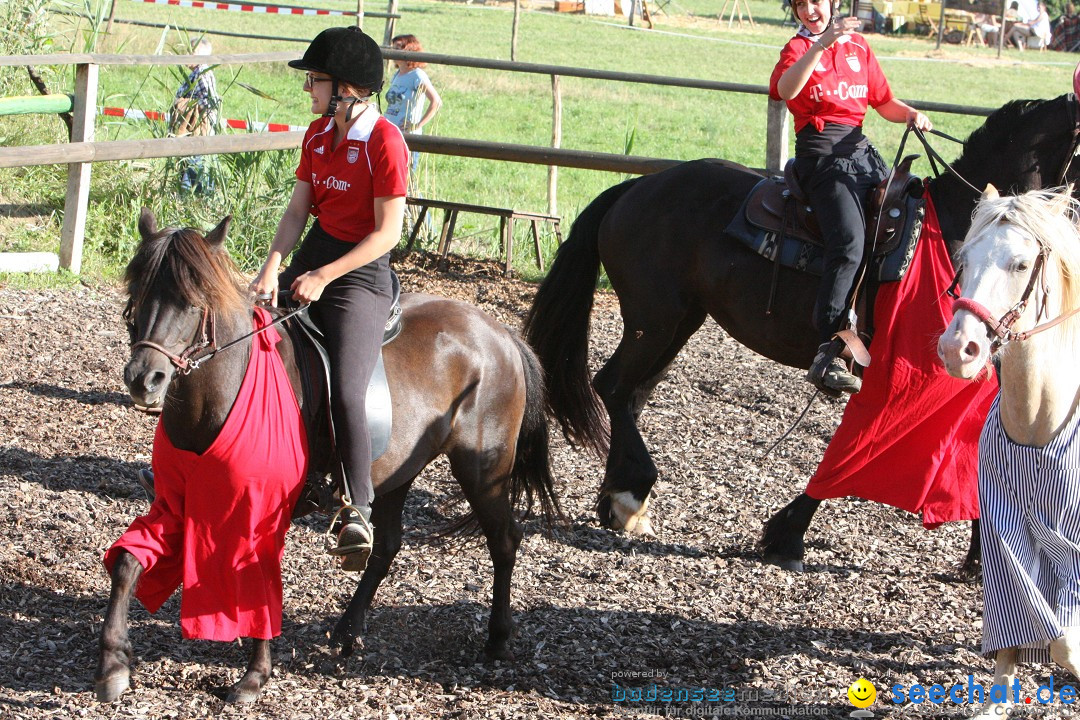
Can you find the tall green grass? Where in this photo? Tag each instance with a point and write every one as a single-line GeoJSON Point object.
{"type": "Point", "coordinates": [486, 105]}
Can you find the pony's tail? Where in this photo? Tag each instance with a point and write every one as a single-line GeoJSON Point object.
{"type": "Point", "coordinates": [530, 478]}
{"type": "Point", "coordinates": [557, 326]}
{"type": "Point", "coordinates": [531, 481]}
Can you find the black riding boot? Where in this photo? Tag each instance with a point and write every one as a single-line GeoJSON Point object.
{"type": "Point", "coordinates": [830, 373]}
{"type": "Point", "coordinates": [354, 538]}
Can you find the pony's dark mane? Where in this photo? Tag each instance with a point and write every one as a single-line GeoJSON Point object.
{"type": "Point", "coordinates": [183, 262]}
{"type": "Point", "coordinates": [996, 132]}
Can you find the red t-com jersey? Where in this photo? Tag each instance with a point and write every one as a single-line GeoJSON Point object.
{"type": "Point", "coordinates": [846, 79]}
{"type": "Point", "coordinates": [372, 162]}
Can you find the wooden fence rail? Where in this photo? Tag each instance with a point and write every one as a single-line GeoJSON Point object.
{"type": "Point", "coordinates": [82, 151]}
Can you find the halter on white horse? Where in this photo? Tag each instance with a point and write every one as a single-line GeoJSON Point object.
{"type": "Point", "coordinates": [1013, 247]}
{"type": "Point", "coordinates": [1003, 327]}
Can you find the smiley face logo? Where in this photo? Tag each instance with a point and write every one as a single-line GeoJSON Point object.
{"type": "Point", "coordinates": [862, 693]}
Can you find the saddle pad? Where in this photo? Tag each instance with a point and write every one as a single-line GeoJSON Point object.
{"type": "Point", "coordinates": [803, 256]}
{"type": "Point", "coordinates": [378, 400]}
{"type": "Point", "coordinates": [794, 253]}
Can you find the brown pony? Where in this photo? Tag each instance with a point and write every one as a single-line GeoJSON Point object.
{"type": "Point", "coordinates": [463, 386]}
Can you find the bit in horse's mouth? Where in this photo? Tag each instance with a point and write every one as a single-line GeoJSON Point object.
{"type": "Point", "coordinates": [148, 409]}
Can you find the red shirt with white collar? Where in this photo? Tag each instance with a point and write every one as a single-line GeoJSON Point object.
{"type": "Point", "coordinates": [846, 80]}
{"type": "Point", "coordinates": [371, 162]}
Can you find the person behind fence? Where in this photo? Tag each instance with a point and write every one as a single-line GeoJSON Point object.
{"type": "Point", "coordinates": [828, 76]}
{"type": "Point", "coordinates": [352, 178]}
{"type": "Point", "coordinates": [1037, 27]}
{"type": "Point", "coordinates": [1067, 15]}
{"type": "Point", "coordinates": [195, 112]}
{"type": "Point", "coordinates": [405, 106]}
{"type": "Point", "coordinates": [1066, 33]}
{"type": "Point", "coordinates": [988, 28]}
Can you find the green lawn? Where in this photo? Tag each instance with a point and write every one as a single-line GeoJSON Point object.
{"type": "Point", "coordinates": [487, 105]}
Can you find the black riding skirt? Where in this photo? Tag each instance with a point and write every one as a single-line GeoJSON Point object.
{"type": "Point", "coordinates": [839, 189]}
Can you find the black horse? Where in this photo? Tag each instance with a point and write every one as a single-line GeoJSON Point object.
{"type": "Point", "coordinates": [660, 240]}
{"type": "Point", "coordinates": [464, 386]}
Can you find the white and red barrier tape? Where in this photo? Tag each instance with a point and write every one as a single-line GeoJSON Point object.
{"type": "Point", "coordinates": [235, 124]}
{"type": "Point", "coordinates": [245, 7]}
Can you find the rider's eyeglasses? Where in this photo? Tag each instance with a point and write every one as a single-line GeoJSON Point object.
{"type": "Point", "coordinates": [310, 80]}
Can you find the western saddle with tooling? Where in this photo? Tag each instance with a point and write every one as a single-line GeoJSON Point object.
{"type": "Point", "coordinates": [777, 222]}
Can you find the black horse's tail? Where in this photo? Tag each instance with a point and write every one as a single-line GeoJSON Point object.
{"type": "Point", "coordinates": [530, 479]}
{"type": "Point", "coordinates": [557, 326]}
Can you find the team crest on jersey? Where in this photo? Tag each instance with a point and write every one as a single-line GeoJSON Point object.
{"type": "Point", "coordinates": [354, 153]}
{"type": "Point", "coordinates": [853, 62]}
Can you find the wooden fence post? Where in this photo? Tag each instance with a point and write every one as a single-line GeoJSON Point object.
{"type": "Point", "coordinates": [514, 30]}
{"type": "Point", "coordinates": [360, 14]}
{"type": "Point", "coordinates": [391, 21]}
{"type": "Point", "coordinates": [776, 137]}
{"type": "Point", "coordinates": [1001, 29]}
{"type": "Point", "coordinates": [556, 141]}
{"type": "Point", "coordinates": [78, 181]}
{"type": "Point", "coordinates": [112, 14]}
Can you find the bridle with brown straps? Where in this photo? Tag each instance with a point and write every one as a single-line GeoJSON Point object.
{"type": "Point", "coordinates": [204, 345]}
{"type": "Point", "coordinates": [1002, 329]}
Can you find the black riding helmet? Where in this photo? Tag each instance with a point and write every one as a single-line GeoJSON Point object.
{"type": "Point", "coordinates": [345, 54]}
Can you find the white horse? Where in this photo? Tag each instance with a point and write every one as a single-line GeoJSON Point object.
{"type": "Point", "coordinates": [1020, 275]}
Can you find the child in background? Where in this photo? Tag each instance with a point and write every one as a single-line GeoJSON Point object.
{"type": "Point", "coordinates": [404, 98]}
{"type": "Point", "coordinates": [200, 90]}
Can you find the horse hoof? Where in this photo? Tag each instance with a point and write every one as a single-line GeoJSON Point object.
{"type": "Point", "coordinates": [784, 563]}
{"type": "Point", "coordinates": [631, 515]}
{"type": "Point", "coordinates": [241, 695]}
{"type": "Point", "coordinates": [504, 654]}
{"type": "Point", "coordinates": [113, 686]}
{"type": "Point", "coordinates": [642, 528]}
{"type": "Point", "coordinates": [344, 641]}
{"type": "Point", "coordinates": [603, 512]}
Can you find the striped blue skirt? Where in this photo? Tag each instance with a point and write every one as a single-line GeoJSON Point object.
{"type": "Point", "coordinates": [1029, 503]}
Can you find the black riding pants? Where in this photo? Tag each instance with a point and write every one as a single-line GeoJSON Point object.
{"type": "Point", "coordinates": [839, 190]}
{"type": "Point", "coordinates": [352, 313]}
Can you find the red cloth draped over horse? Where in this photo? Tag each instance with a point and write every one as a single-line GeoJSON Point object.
{"type": "Point", "coordinates": [219, 519]}
{"type": "Point", "coordinates": [910, 438]}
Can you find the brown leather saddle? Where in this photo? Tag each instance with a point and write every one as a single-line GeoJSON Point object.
{"type": "Point", "coordinates": [779, 205]}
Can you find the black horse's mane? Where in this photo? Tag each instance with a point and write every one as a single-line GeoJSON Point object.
{"type": "Point", "coordinates": [182, 263]}
{"type": "Point", "coordinates": [997, 131]}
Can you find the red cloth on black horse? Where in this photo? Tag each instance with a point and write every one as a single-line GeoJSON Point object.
{"type": "Point", "coordinates": [910, 437]}
{"type": "Point", "coordinates": [218, 521]}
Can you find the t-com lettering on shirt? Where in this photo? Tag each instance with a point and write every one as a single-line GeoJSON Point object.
{"type": "Point", "coordinates": [845, 80]}
{"type": "Point", "coordinates": [371, 162]}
